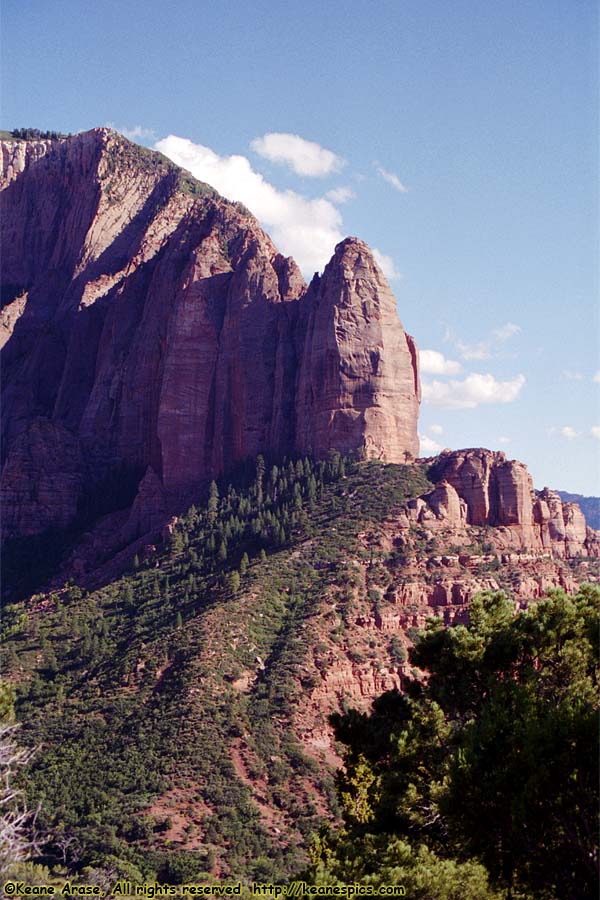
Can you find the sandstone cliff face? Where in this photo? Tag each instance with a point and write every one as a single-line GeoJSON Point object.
{"type": "Point", "coordinates": [358, 375]}
{"type": "Point", "coordinates": [497, 492]}
{"type": "Point", "coordinates": [156, 325]}
{"type": "Point", "coordinates": [431, 562]}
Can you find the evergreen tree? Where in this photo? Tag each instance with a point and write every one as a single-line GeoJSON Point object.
{"type": "Point", "coordinates": [50, 663]}
{"type": "Point", "coordinates": [260, 475]}
{"type": "Point", "coordinates": [494, 758]}
{"type": "Point", "coordinates": [176, 541]}
{"type": "Point", "coordinates": [128, 598]}
{"type": "Point", "coordinates": [213, 502]}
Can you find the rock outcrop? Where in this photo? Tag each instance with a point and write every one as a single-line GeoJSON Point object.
{"type": "Point", "coordinates": [154, 325]}
{"type": "Point", "coordinates": [358, 378]}
{"type": "Point", "coordinates": [498, 492]}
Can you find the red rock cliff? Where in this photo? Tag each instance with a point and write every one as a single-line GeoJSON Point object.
{"type": "Point", "coordinates": [156, 325]}
{"type": "Point", "coordinates": [499, 492]}
{"type": "Point", "coordinates": [358, 378]}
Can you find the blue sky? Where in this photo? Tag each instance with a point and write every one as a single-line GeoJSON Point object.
{"type": "Point", "coordinates": [464, 148]}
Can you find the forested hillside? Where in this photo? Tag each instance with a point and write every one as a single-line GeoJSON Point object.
{"type": "Point", "coordinates": [159, 698]}
{"type": "Point", "coordinates": [181, 712]}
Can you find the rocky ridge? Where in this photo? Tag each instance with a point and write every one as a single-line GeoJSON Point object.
{"type": "Point", "coordinates": [153, 328]}
{"type": "Point", "coordinates": [154, 337]}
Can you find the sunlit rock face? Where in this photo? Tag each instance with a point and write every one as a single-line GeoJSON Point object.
{"type": "Point", "coordinates": [358, 377]}
{"type": "Point", "coordinates": [498, 492]}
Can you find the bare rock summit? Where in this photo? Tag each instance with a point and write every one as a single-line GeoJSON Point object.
{"type": "Point", "coordinates": [358, 376]}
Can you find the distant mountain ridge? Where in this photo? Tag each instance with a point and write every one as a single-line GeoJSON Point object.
{"type": "Point", "coordinates": [590, 507]}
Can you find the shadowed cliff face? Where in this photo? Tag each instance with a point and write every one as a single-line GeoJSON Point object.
{"type": "Point", "coordinates": [157, 326]}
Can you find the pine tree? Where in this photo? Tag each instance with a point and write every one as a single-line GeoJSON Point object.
{"type": "Point", "coordinates": [260, 474]}
{"type": "Point", "coordinates": [50, 664]}
{"type": "Point", "coordinates": [128, 598]}
{"type": "Point", "coordinates": [176, 543]}
{"type": "Point", "coordinates": [213, 501]}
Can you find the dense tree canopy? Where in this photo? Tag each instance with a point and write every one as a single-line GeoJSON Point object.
{"type": "Point", "coordinates": [493, 758]}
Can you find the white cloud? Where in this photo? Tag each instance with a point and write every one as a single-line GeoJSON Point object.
{"type": "Point", "coordinates": [386, 264]}
{"type": "Point", "coordinates": [304, 157]}
{"type": "Point", "coordinates": [572, 376]}
{"type": "Point", "coordinates": [596, 377]}
{"type": "Point", "coordinates": [474, 351]}
{"type": "Point", "coordinates": [434, 363]}
{"type": "Point", "coordinates": [392, 179]}
{"type": "Point", "coordinates": [504, 440]}
{"type": "Point", "coordinates": [137, 133]}
{"type": "Point", "coordinates": [306, 229]}
{"type": "Point", "coordinates": [595, 431]}
{"type": "Point", "coordinates": [340, 194]}
{"type": "Point", "coordinates": [428, 445]}
{"type": "Point", "coordinates": [474, 390]}
{"type": "Point", "coordinates": [506, 331]}
{"type": "Point", "coordinates": [569, 433]}
{"type": "Point", "coordinates": [436, 429]}
{"type": "Point", "coordinates": [485, 348]}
